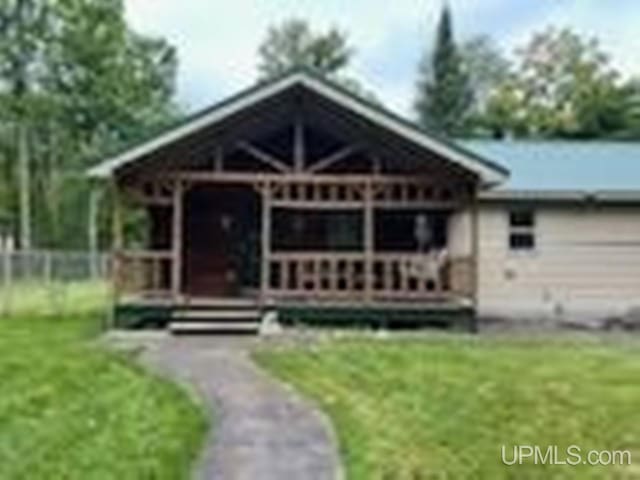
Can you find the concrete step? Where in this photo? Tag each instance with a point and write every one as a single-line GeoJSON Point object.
{"type": "Point", "coordinates": [214, 327]}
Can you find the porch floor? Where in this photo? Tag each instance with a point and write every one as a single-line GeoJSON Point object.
{"type": "Point", "coordinates": [444, 301]}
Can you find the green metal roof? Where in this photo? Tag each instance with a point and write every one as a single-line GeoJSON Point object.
{"type": "Point", "coordinates": [565, 165]}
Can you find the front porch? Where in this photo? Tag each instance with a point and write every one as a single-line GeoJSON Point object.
{"type": "Point", "coordinates": [294, 243]}
{"type": "Point", "coordinates": [297, 196]}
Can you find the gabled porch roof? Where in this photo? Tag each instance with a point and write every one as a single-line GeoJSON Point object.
{"type": "Point", "coordinates": [487, 172]}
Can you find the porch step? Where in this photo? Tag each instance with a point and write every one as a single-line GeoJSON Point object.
{"type": "Point", "coordinates": [214, 327]}
{"type": "Point", "coordinates": [217, 314]}
{"type": "Point", "coordinates": [196, 303]}
{"type": "Point", "coordinates": [216, 320]}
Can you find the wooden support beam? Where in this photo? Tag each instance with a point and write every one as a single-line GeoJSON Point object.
{"type": "Point", "coordinates": [265, 268]}
{"type": "Point", "coordinates": [376, 165]}
{"type": "Point", "coordinates": [369, 241]}
{"type": "Point", "coordinates": [176, 240]}
{"type": "Point", "coordinates": [333, 158]}
{"type": "Point", "coordinates": [299, 147]}
{"type": "Point", "coordinates": [318, 205]}
{"type": "Point", "coordinates": [117, 243]}
{"type": "Point", "coordinates": [278, 178]}
{"type": "Point", "coordinates": [218, 160]}
{"type": "Point", "coordinates": [155, 191]}
{"type": "Point", "coordinates": [145, 200]}
{"type": "Point", "coordinates": [117, 232]}
{"type": "Point", "coordinates": [93, 234]}
{"type": "Point", "coordinates": [264, 157]}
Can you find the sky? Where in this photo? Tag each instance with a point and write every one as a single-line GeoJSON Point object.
{"type": "Point", "coordinates": [217, 40]}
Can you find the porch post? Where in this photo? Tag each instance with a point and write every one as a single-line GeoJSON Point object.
{"type": "Point", "coordinates": [117, 240]}
{"type": "Point", "coordinates": [265, 268]}
{"type": "Point", "coordinates": [176, 241]}
{"type": "Point", "coordinates": [117, 243]}
{"type": "Point", "coordinates": [94, 204]}
{"type": "Point", "coordinates": [299, 148]}
{"type": "Point", "coordinates": [368, 240]}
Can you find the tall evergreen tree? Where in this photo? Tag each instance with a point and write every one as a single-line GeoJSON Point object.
{"type": "Point", "coordinates": [444, 91]}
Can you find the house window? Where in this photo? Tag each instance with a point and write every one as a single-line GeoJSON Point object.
{"type": "Point", "coordinates": [410, 231]}
{"type": "Point", "coordinates": [310, 230]}
{"type": "Point", "coordinates": [522, 230]}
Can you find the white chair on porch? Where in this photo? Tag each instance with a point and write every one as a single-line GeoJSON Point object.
{"type": "Point", "coordinates": [427, 268]}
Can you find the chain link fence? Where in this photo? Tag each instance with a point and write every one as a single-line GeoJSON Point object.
{"type": "Point", "coordinates": [52, 282]}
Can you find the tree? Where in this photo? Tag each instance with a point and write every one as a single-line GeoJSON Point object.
{"type": "Point", "coordinates": [444, 92]}
{"type": "Point", "coordinates": [495, 101]}
{"type": "Point", "coordinates": [294, 44]}
{"type": "Point", "coordinates": [568, 86]}
{"type": "Point", "coordinates": [631, 129]}
{"type": "Point", "coordinates": [110, 83]}
{"type": "Point", "coordinates": [487, 67]}
{"type": "Point", "coordinates": [562, 85]}
{"type": "Point", "coordinates": [111, 86]}
{"type": "Point", "coordinates": [23, 25]}
{"type": "Point", "coordinates": [504, 113]}
{"type": "Point", "coordinates": [86, 84]}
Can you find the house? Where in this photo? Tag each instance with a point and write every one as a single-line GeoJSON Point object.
{"type": "Point", "coordinates": [560, 240]}
{"type": "Point", "coordinates": [298, 198]}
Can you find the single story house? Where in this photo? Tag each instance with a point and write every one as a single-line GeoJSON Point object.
{"type": "Point", "coordinates": [298, 198]}
{"type": "Point", "coordinates": [560, 240]}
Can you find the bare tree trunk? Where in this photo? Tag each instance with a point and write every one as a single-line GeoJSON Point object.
{"type": "Point", "coordinates": [53, 189]}
{"type": "Point", "coordinates": [24, 186]}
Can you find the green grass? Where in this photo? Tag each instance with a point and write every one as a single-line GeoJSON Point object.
{"type": "Point", "coordinates": [442, 408]}
{"type": "Point", "coordinates": [70, 409]}
{"type": "Point", "coordinates": [55, 298]}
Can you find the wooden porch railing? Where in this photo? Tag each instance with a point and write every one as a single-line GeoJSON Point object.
{"type": "Point", "coordinates": [396, 276]}
{"type": "Point", "coordinates": [317, 274]}
{"type": "Point", "coordinates": [145, 272]}
{"type": "Point", "coordinates": [321, 275]}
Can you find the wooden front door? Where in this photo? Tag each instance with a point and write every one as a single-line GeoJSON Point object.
{"type": "Point", "coordinates": [214, 226]}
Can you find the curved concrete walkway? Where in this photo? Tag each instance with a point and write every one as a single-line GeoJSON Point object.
{"type": "Point", "coordinates": [262, 429]}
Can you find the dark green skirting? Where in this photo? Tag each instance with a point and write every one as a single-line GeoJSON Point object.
{"type": "Point", "coordinates": [133, 316]}
{"type": "Point", "coordinates": [398, 318]}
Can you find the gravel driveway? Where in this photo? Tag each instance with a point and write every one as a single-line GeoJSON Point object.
{"type": "Point", "coordinates": [262, 429]}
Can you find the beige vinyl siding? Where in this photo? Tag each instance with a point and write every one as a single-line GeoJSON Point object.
{"type": "Point", "coordinates": [586, 263]}
{"type": "Point", "coordinates": [459, 235]}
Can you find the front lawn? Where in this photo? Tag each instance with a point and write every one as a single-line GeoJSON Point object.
{"type": "Point", "coordinates": [69, 409]}
{"type": "Point", "coordinates": [443, 408]}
